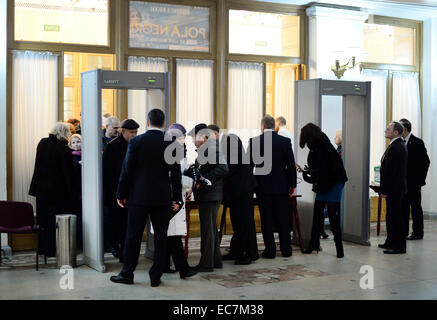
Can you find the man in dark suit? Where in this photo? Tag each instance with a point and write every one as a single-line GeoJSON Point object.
{"type": "Point", "coordinates": [238, 193]}
{"type": "Point", "coordinates": [150, 186]}
{"type": "Point", "coordinates": [417, 169]}
{"type": "Point", "coordinates": [275, 173]}
{"type": "Point", "coordinates": [394, 187]}
{"type": "Point", "coordinates": [113, 156]}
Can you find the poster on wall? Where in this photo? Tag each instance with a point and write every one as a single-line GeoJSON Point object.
{"type": "Point", "coordinates": [168, 27]}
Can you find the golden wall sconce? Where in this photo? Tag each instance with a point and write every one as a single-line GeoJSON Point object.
{"type": "Point", "coordinates": [339, 70]}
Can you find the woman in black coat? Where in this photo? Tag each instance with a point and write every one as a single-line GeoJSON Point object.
{"type": "Point", "coordinates": [326, 172]}
{"type": "Point", "coordinates": [53, 184]}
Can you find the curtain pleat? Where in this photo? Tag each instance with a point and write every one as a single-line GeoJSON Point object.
{"type": "Point", "coordinates": [378, 78]}
{"type": "Point", "coordinates": [34, 112]}
{"type": "Point", "coordinates": [194, 96]}
{"type": "Point", "coordinates": [245, 99]}
{"type": "Point", "coordinates": [406, 99]}
{"type": "Point", "coordinates": [284, 95]}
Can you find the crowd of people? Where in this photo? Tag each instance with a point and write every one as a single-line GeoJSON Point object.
{"type": "Point", "coordinates": [147, 180]}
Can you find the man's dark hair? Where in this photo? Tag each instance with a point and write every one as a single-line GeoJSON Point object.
{"type": "Point", "coordinates": [214, 127]}
{"type": "Point", "coordinates": [406, 124]}
{"type": "Point", "coordinates": [397, 126]}
{"type": "Point", "coordinates": [309, 133]}
{"type": "Point", "coordinates": [268, 121]}
{"type": "Point", "coordinates": [199, 127]}
{"type": "Point", "coordinates": [156, 118]}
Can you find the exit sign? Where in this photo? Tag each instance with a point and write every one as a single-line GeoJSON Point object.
{"type": "Point", "coordinates": [52, 27]}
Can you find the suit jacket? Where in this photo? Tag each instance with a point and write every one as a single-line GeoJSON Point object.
{"type": "Point", "coordinates": [240, 179]}
{"type": "Point", "coordinates": [54, 174]}
{"type": "Point", "coordinates": [282, 176]}
{"type": "Point", "coordinates": [146, 179]}
{"type": "Point", "coordinates": [417, 164]}
{"type": "Point", "coordinates": [112, 158]}
{"type": "Point", "coordinates": [215, 172]}
{"type": "Point", "coordinates": [394, 169]}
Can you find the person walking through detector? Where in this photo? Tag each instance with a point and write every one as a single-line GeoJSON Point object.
{"type": "Point", "coordinates": [325, 171]}
{"type": "Point", "coordinates": [113, 157]}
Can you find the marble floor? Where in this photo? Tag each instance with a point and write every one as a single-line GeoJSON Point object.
{"type": "Point", "coordinates": [316, 276]}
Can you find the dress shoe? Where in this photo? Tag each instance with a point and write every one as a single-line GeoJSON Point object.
{"type": "Point", "coordinates": [202, 269]}
{"type": "Point", "coordinates": [229, 256]}
{"type": "Point", "coordinates": [254, 258]}
{"type": "Point", "coordinates": [310, 250]}
{"type": "Point", "coordinates": [122, 279]}
{"type": "Point", "coordinates": [170, 270]}
{"type": "Point", "coordinates": [268, 255]}
{"type": "Point", "coordinates": [243, 261]}
{"type": "Point", "coordinates": [414, 237]}
{"type": "Point", "coordinates": [287, 254]}
{"type": "Point", "coordinates": [325, 235]}
{"type": "Point", "coordinates": [383, 246]}
{"type": "Point", "coordinates": [392, 251]}
{"type": "Point", "coordinates": [115, 252]}
{"type": "Point", "coordinates": [187, 274]}
{"type": "Point", "coordinates": [155, 283]}
{"type": "Point", "coordinates": [218, 265]}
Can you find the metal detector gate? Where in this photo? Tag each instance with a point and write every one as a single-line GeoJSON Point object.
{"type": "Point", "coordinates": [355, 123]}
{"type": "Point", "coordinates": [92, 84]}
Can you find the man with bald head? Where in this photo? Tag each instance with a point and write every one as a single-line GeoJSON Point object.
{"type": "Point", "coordinates": [111, 131]}
{"type": "Point", "coordinates": [394, 187]}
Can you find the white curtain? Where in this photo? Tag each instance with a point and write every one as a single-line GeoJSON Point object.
{"type": "Point", "coordinates": [284, 95]}
{"type": "Point", "coordinates": [34, 112]}
{"type": "Point", "coordinates": [194, 96]}
{"type": "Point", "coordinates": [245, 99]}
{"type": "Point", "coordinates": [140, 102]}
{"type": "Point", "coordinates": [406, 99]}
{"type": "Point", "coordinates": [378, 116]}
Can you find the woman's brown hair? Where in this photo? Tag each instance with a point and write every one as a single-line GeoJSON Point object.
{"type": "Point", "coordinates": [309, 133]}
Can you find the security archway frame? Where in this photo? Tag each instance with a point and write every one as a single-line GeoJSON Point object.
{"type": "Point", "coordinates": [92, 84]}
{"type": "Point", "coordinates": [355, 214]}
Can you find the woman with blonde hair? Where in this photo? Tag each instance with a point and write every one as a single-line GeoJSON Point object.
{"type": "Point", "coordinates": [53, 184]}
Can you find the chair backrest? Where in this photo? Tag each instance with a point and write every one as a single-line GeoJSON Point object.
{"type": "Point", "coordinates": [14, 214]}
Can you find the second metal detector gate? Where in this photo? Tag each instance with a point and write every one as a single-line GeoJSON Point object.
{"type": "Point", "coordinates": [355, 122]}
{"type": "Point", "coordinates": [92, 84]}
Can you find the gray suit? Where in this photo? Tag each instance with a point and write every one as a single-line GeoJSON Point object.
{"type": "Point", "coordinates": [209, 203]}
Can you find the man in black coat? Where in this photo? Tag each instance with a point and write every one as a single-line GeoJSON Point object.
{"type": "Point", "coordinates": [238, 193]}
{"type": "Point", "coordinates": [394, 187]}
{"type": "Point", "coordinates": [113, 156]}
{"type": "Point", "coordinates": [149, 185]}
{"type": "Point", "coordinates": [275, 173]}
{"type": "Point", "coordinates": [417, 169]}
